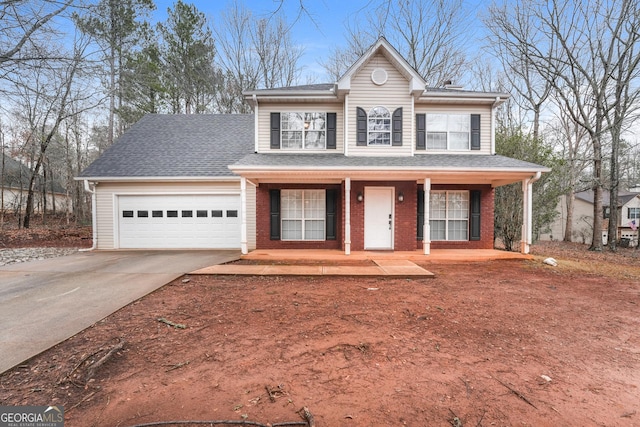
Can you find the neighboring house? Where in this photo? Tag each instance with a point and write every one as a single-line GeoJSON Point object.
{"type": "Point", "coordinates": [582, 219]}
{"type": "Point", "coordinates": [14, 184]}
{"type": "Point", "coordinates": [375, 161]}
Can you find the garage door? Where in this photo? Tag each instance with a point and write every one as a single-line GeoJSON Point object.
{"type": "Point", "coordinates": [179, 222]}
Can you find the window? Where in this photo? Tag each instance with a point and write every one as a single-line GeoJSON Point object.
{"type": "Point", "coordinates": [303, 214]}
{"type": "Point", "coordinates": [127, 214]}
{"type": "Point", "coordinates": [202, 213]}
{"type": "Point", "coordinates": [303, 131]}
{"type": "Point", "coordinates": [156, 214]}
{"type": "Point", "coordinates": [187, 214]}
{"type": "Point", "coordinates": [143, 214]}
{"type": "Point", "coordinates": [232, 214]}
{"type": "Point", "coordinates": [216, 214]}
{"type": "Point", "coordinates": [449, 215]}
{"type": "Point", "coordinates": [172, 214]}
{"type": "Point", "coordinates": [379, 126]}
{"type": "Point", "coordinates": [634, 213]}
{"type": "Point", "coordinates": [448, 131]}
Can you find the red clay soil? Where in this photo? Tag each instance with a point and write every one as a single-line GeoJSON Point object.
{"type": "Point", "coordinates": [500, 343]}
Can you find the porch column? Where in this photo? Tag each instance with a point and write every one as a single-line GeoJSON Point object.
{"type": "Point", "coordinates": [426, 228]}
{"type": "Point", "coordinates": [527, 213]}
{"type": "Point", "coordinates": [347, 216]}
{"type": "Point", "coordinates": [244, 248]}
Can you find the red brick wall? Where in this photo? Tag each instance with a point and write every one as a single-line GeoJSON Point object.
{"type": "Point", "coordinates": [486, 219]}
{"type": "Point", "coordinates": [263, 239]}
{"type": "Point", "coordinates": [405, 217]}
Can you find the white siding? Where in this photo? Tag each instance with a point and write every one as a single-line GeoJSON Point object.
{"type": "Point", "coordinates": [391, 95]}
{"type": "Point", "coordinates": [264, 125]}
{"type": "Point", "coordinates": [106, 195]}
{"type": "Point", "coordinates": [485, 124]}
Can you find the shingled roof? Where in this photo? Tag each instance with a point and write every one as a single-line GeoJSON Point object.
{"type": "Point", "coordinates": [174, 145]}
{"type": "Point", "coordinates": [431, 161]}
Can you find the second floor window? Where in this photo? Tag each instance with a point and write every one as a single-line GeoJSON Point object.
{"type": "Point", "coordinates": [303, 131]}
{"type": "Point", "coordinates": [379, 126]}
{"type": "Point", "coordinates": [448, 131]}
{"type": "Point", "coordinates": [634, 213]}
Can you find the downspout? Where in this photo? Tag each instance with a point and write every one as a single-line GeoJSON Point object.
{"type": "Point", "coordinates": [94, 215]}
{"type": "Point", "coordinates": [345, 127]}
{"type": "Point", "coordinates": [493, 125]}
{"type": "Point", "coordinates": [255, 123]}
{"type": "Point", "coordinates": [527, 232]}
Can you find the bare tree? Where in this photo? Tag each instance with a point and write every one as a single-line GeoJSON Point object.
{"type": "Point", "coordinates": [23, 21]}
{"type": "Point", "coordinates": [428, 33]}
{"type": "Point", "coordinates": [253, 53]}
{"type": "Point", "coordinates": [46, 96]}
{"type": "Point", "coordinates": [578, 48]}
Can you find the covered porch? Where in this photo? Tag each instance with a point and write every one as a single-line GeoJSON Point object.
{"type": "Point", "coordinates": [401, 189]}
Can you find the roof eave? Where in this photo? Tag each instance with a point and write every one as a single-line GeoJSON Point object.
{"type": "Point", "coordinates": [106, 178]}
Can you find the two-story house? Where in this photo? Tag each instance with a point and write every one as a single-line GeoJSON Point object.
{"type": "Point", "coordinates": [375, 161]}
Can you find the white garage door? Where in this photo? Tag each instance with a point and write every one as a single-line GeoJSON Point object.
{"type": "Point", "coordinates": [179, 222]}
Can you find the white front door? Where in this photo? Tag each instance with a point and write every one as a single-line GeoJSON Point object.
{"type": "Point", "coordinates": [378, 218]}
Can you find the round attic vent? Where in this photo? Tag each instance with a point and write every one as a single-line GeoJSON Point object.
{"type": "Point", "coordinates": [379, 76]}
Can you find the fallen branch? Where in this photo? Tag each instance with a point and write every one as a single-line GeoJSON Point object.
{"type": "Point", "coordinates": [307, 416]}
{"type": "Point", "coordinates": [455, 422]}
{"type": "Point", "coordinates": [92, 370]}
{"type": "Point", "coordinates": [170, 323]}
{"type": "Point", "coordinates": [516, 392]}
{"type": "Point", "coordinates": [176, 366]}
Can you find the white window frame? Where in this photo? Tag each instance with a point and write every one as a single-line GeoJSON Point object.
{"type": "Point", "coordinates": [448, 130]}
{"type": "Point", "coordinates": [309, 125]}
{"type": "Point", "coordinates": [304, 216]}
{"type": "Point", "coordinates": [634, 213]}
{"type": "Point", "coordinates": [451, 216]}
{"type": "Point", "coordinates": [379, 124]}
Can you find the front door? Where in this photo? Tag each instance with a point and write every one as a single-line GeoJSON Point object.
{"type": "Point", "coordinates": [378, 218]}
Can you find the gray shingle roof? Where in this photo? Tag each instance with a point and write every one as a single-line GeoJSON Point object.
{"type": "Point", "coordinates": [17, 175]}
{"type": "Point", "coordinates": [623, 197]}
{"type": "Point", "coordinates": [163, 145]}
{"type": "Point", "coordinates": [421, 161]}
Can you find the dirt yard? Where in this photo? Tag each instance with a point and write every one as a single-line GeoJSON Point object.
{"type": "Point", "coordinates": [509, 343]}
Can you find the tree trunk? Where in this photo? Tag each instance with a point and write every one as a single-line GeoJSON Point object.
{"type": "Point", "coordinates": [568, 229]}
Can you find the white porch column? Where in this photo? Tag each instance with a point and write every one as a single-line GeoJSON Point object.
{"type": "Point", "coordinates": [347, 216]}
{"type": "Point", "coordinates": [244, 247]}
{"type": "Point", "coordinates": [426, 228]}
{"type": "Point", "coordinates": [527, 212]}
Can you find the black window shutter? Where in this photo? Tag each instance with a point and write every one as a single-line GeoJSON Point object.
{"type": "Point", "coordinates": [331, 131]}
{"type": "Point", "coordinates": [331, 201]}
{"type": "Point", "coordinates": [361, 126]}
{"type": "Point", "coordinates": [421, 131]}
{"type": "Point", "coordinates": [475, 131]}
{"type": "Point", "coordinates": [275, 131]}
{"type": "Point", "coordinates": [474, 226]}
{"type": "Point", "coordinates": [420, 214]}
{"type": "Point", "coordinates": [396, 128]}
{"type": "Point", "coordinates": [274, 210]}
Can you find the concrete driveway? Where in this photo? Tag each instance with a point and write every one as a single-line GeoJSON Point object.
{"type": "Point", "coordinates": [45, 302]}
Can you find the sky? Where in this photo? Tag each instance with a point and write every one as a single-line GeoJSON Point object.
{"type": "Point", "coordinates": [318, 29]}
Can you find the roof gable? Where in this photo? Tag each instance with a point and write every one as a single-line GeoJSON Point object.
{"type": "Point", "coordinates": [416, 83]}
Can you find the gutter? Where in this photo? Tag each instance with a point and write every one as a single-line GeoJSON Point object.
{"type": "Point", "coordinates": [94, 215]}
